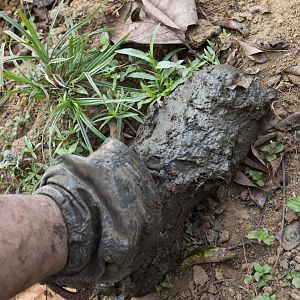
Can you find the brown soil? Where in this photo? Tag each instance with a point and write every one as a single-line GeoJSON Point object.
{"type": "Point", "coordinates": [228, 216]}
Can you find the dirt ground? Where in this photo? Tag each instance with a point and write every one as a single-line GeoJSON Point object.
{"type": "Point", "coordinates": [226, 218]}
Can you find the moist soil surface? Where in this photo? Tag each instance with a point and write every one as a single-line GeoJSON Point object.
{"type": "Point", "coordinates": [224, 219]}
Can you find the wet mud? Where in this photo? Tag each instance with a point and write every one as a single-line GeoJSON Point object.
{"type": "Point", "coordinates": [191, 145]}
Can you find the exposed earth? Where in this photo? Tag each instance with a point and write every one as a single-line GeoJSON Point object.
{"type": "Point", "coordinates": [226, 218]}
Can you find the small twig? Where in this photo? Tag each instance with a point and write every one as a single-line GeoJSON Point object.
{"type": "Point", "coordinates": [202, 12]}
{"type": "Point", "coordinates": [295, 28]}
{"type": "Point", "coordinates": [283, 211]}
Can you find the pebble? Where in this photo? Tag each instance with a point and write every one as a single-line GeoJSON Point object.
{"type": "Point", "coordinates": [291, 236]}
{"type": "Point", "coordinates": [271, 260]}
{"type": "Point", "coordinates": [224, 236]}
{"type": "Point", "coordinates": [295, 294]}
{"type": "Point", "coordinates": [219, 275]}
{"type": "Point", "coordinates": [238, 297]}
{"type": "Point", "coordinates": [231, 292]}
{"type": "Point", "coordinates": [290, 216]}
{"type": "Point", "coordinates": [284, 264]}
{"type": "Point", "coordinates": [268, 290]}
{"type": "Point", "coordinates": [200, 276]}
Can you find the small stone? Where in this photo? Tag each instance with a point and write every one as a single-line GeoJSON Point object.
{"type": "Point", "coordinates": [284, 264]}
{"type": "Point", "coordinates": [224, 236]}
{"type": "Point", "coordinates": [297, 258]}
{"type": "Point", "coordinates": [212, 236]}
{"type": "Point", "coordinates": [271, 260]}
{"type": "Point", "coordinates": [297, 267]}
{"type": "Point", "coordinates": [238, 297]}
{"type": "Point", "coordinates": [290, 216]}
{"type": "Point", "coordinates": [291, 236]}
{"type": "Point", "coordinates": [200, 277]}
{"type": "Point", "coordinates": [295, 294]}
{"type": "Point", "coordinates": [197, 35]}
{"type": "Point", "coordinates": [219, 275]}
{"type": "Point", "coordinates": [231, 292]}
{"type": "Point", "coordinates": [268, 290]}
{"type": "Point", "coordinates": [244, 195]}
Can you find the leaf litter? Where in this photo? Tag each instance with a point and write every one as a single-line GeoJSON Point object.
{"type": "Point", "coordinates": [253, 53]}
{"type": "Point", "coordinates": [140, 18]}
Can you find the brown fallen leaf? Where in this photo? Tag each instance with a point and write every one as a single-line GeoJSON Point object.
{"type": "Point", "coordinates": [289, 123]}
{"type": "Point", "coordinates": [207, 254]}
{"type": "Point", "coordinates": [255, 165]}
{"type": "Point", "coordinates": [275, 165]}
{"type": "Point", "coordinates": [273, 80]}
{"type": "Point", "coordinates": [267, 45]}
{"type": "Point", "coordinates": [243, 80]}
{"type": "Point", "coordinates": [180, 13]}
{"type": "Point", "coordinates": [263, 9]}
{"type": "Point", "coordinates": [253, 53]}
{"type": "Point", "coordinates": [230, 24]}
{"type": "Point", "coordinates": [257, 157]}
{"type": "Point", "coordinates": [173, 16]}
{"type": "Point", "coordinates": [258, 196]}
{"type": "Point", "coordinates": [295, 70]}
{"type": "Point", "coordinates": [231, 59]}
{"type": "Point", "coordinates": [265, 138]}
{"type": "Point", "coordinates": [242, 179]}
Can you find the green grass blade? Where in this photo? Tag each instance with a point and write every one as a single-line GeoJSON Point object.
{"type": "Point", "coordinates": [135, 53]}
{"type": "Point", "coordinates": [52, 25]}
{"type": "Point", "coordinates": [1, 66]}
{"type": "Point", "coordinates": [61, 41]}
{"type": "Point", "coordinates": [34, 38]}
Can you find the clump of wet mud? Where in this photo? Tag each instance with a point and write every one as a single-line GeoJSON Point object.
{"type": "Point", "coordinates": [191, 145]}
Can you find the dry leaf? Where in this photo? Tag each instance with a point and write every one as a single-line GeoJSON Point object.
{"type": "Point", "coordinates": [238, 79]}
{"type": "Point", "coordinates": [231, 59]}
{"type": "Point", "coordinates": [289, 123]}
{"type": "Point", "coordinates": [263, 9]}
{"type": "Point", "coordinates": [242, 179]}
{"type": "Point", "coordinates": [258, 157]}
{"type": "Point", "coordinates": [180, 13]}
{"type": "Point", "coordinates": [253, 53]}
{"type": "Point", "coordinates": [255, 165]}
{"type": "Point", "coordinates": [230, 24]}
{"type": "Point", "coordinates": [258, 196]}
{"type": "Point", "coordinates": [275, 165]}
{"type": "Point", "coordinates": [266, 45]}
{"type": "Point", "coordinates": [274, 80]}
{"type": "Point", "coordinates": [265, 138]}
{"type": "Point", "coordinates": [293, 70]}
{"type": "Point", "coordinates": [175, 15]}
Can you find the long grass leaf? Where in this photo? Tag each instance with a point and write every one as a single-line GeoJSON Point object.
{"type": "Point", "coordinates": [52, 25]}
{"type": "Point", "coordinates": [71, 30]}
{"type": "Point", "coordinates": [1, 66]}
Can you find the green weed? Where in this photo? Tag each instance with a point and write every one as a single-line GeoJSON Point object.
{"type": "Point", "coordinates": [256, 176]}
{"type": "Point", "coordinates": [262, 275]}
{"type": "Point", "coordinates": [271, 150]}
{"type": "Point", "coordinates": [294, 203]}
{"type": "Point", "coordinates": [265, 297]}
{"type": "Point", "coordinates": [261, 235]}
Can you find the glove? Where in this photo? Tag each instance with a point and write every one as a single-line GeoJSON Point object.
{"type": "Point", "coordinates": [109, 202]}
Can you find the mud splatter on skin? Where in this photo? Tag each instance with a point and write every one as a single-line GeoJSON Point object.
{"type": "Point", "coordinates": [59, 230]}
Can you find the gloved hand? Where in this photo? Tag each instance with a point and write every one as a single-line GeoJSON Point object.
{"type": "Point", "coordinates": [109, 202]}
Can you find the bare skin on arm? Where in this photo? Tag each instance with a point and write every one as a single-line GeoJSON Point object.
{"type": "Point", "coordinates": [33, 242]}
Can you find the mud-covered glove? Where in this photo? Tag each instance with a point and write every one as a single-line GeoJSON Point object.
{"type": "Point", "coordinates": [109, 202]}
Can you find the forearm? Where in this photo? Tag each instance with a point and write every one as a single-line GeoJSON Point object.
{"type": "Point", "coordinates": [33, 241]}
